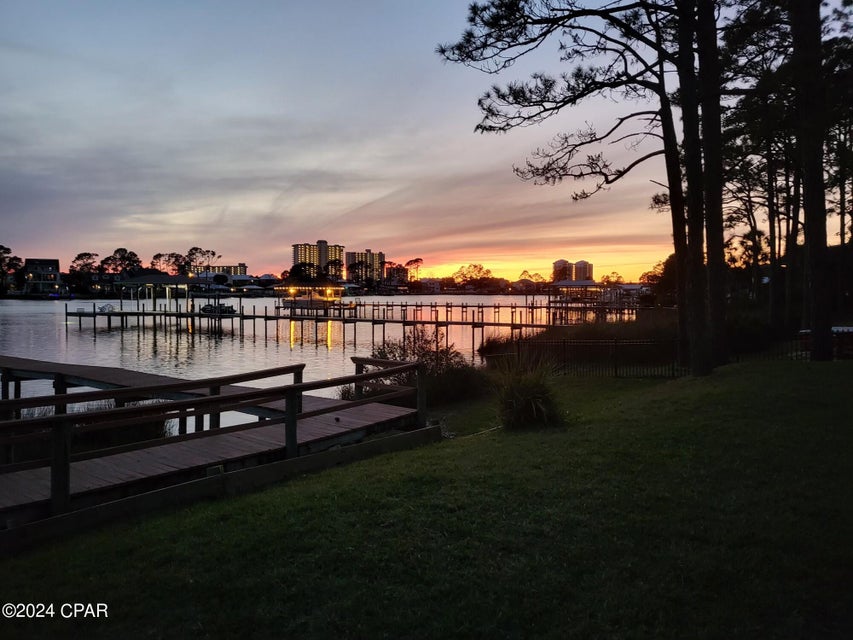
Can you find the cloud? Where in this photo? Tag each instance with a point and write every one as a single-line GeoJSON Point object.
{"type": "Point", "coordinates": [163, 126]}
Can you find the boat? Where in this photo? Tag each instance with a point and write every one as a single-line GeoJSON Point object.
{"type": "Point", "coordinates": [218, 310]}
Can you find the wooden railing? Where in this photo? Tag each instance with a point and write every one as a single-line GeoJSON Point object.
{"type": "Point", "coordinates": [60, 426]}
{"type": "Point", "coordinates": [11, 408]}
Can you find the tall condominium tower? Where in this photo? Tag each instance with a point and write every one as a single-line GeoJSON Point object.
{"type": "Point", "coordinates": [565, 270]}
{"type": "Point", "coordinates": [324, 256]}
{"type": "Point", "coordinates": [583, 270]}
{"type": "Point", "coordinates": [362, 265]}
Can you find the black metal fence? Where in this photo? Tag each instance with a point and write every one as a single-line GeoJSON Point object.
{"type": "Point", "coordinates": [604, 358]}
{"type": "Point", "coordinates": [651, 358]}
{"type": "Point", "coordinates": [799, 348]}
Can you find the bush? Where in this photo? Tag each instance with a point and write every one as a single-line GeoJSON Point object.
{"type": "Point", "coordinates": [447, 375]}
{"type": "Point", "coordinates": [423, 347]}
{"type": "Point", "coordinates": [524, 394]}
{"type": "Point", "coordinates": [748, 333]}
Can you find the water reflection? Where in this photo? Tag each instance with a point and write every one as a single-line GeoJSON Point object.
{"type": "Point", "coordinates": [177, 347]}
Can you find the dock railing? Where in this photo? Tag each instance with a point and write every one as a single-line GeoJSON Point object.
{"type": "Point", "coordinates": [59, 427]}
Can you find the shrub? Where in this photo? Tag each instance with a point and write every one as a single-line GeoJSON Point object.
{"type": "Point", "coordinates": [447, 375]}
{"type": "Point", "coordinates": [424, 347]}
{"type": "Point", "coordinates": [524, 394]}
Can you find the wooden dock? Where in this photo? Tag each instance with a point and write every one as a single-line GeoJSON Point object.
{"type": "Point", "coordinates": [476, 321]}
{"type": "Point", "coordinates": [290, 422]}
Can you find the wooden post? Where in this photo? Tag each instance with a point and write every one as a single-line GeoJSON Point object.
{"type": "Point", "coordinates": [60, 468]}
{"type": "Point", "coordinates": [214, 415]}
{"type": "Point", "coordinates": [297, 379]}
{"type": "Point", "coordinates": [359, 389]}
{"type": "Point", "coordinates": [290, 406]}
{"type": "Point", "coordinates": [60, 387]}
{"type": "Point", "coordinates": [5, 378]}
{"type": "Point", "coordinates": [421, 396]}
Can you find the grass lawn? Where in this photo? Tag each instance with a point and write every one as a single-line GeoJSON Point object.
{"type": "Point", "coordinates": [692, 508]}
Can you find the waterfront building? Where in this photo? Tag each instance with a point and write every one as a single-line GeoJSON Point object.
{"type": "Point", "coordinates": [238, 269]}
{"type": "Point", "coordinates": [577, 271]}
{"type": "Point", "coordinates": [583, 270]}
{"type": "Point", "coordinates": [324, 256]}
{"type": "Point", "coordinates": [364, 265]}
{"type": "Point", "coordinates": [562, 271]}
{"type": "Point", "coordinates": [396, 274]}
{"type": "Point", "coordinates": [41, 276]}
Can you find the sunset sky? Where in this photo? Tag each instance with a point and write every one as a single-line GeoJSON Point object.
{"type": "Point", "coordinates": [246, 127]}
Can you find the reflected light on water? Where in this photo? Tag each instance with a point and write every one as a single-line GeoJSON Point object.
{"type": "Point", "coordinates": [40, 330]}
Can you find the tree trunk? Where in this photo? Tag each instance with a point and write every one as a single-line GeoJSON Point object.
{"type": "Point", "coordinates": [793, 258]}
{"type": "Point", "coordinates": [772, 222]}
{"type": "Point", "coordinates": [811, 130]}
{"type": "Point", "coordinates": [679, 231]}
{"type": "Point", "coordinates": [701, 362]}
{"type": "Point", "coordinates": [712, 146]}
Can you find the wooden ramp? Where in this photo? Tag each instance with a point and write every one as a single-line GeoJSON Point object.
{"type": "Point", "coordinates": [25, 493]}
{"type": "Point", "coordinates": [81, 375]}
{"type": "Point", "coordinates": [152, 467]}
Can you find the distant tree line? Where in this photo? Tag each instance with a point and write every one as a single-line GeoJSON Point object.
{"type": "Point", "coordinates": [120, 263]}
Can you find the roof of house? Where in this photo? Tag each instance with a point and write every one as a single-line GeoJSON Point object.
{"type": "Point", "coordinates": [161, 278]}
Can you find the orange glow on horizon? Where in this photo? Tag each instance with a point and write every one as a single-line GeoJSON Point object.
{"type": "Point", "coordinates": [628, 263]}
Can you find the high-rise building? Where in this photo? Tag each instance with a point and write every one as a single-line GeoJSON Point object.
{"type": "Point", "coordinates": [363, 265]}
{"type": "Point", "coordinates": [562, 271]}
{"type": "Point", "coordinates": [583, 270]}
{"type": "Point", "coordinates": [239, 269]}
{"type": "Point", "coordinates": [325, 257]}
{"type": "Point", "coordinates": [565, 270]}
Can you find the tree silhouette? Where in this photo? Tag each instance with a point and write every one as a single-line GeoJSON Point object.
{"type": "Point", "coordinates": [334, 268]}
{"type": "Point", "coordinates": [302, 273]}
{"type": "Point", "coordinates": [201, 259]}
{"type": "Point", "coordinates": [416, 264]}
{"type": "Point", "coordinates": [8, 264]}
{"type": "Point", "coordinates": [121, 261]}
{"type": "Point", "coordinates": [624, 51]}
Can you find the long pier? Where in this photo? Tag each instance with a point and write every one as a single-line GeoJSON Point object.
{"type": "Point", "coordinates": [517, 318]}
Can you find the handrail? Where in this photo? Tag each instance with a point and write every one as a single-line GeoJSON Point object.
{"type": "Point", "coordinates": [230, 402]}
{"type": "Point", "coordinates": [129, 392]}
{"type": "Point", "coordinates": [375, 362]}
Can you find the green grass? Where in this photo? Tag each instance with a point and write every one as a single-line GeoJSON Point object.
{"type": "Point", "coordinates": [693, 508]}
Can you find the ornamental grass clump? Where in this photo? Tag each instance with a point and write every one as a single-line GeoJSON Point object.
{"type": "Point", "coordinates": [525, 397]}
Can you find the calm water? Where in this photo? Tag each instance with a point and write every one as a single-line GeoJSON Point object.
{"type": "Point", "coordinates": [38, 329]}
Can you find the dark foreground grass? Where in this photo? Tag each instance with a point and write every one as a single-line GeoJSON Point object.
{"type": "Point", "coordinates": [713, 508]}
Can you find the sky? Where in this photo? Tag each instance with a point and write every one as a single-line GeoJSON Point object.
{"type": "Point", "coordinates": [246, 127]}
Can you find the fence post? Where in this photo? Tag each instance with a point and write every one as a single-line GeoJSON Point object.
{"type": "Point", "coordinates": [674, 357]}
{"type": "Point", "coordinates": [290, 406]}
{"type": "Point", "coordinates": [615, 357]}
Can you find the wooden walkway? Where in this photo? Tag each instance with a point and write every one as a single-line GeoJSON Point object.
{"type": "Point", "coordinates": [153, 467]}
{"type": "Point", "coordinates": [97, 377]}
{"type": "Point", "coordinates": [134, 469]}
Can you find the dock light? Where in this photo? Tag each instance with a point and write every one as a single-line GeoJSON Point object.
{"type": "Point", "coordinates": [328, 293]}
{"type": "Point", "coordinates": [292, 292]}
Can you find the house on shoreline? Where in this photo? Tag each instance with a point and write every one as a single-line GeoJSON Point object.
{"type": "Point", "coordinates": [41, 276]}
